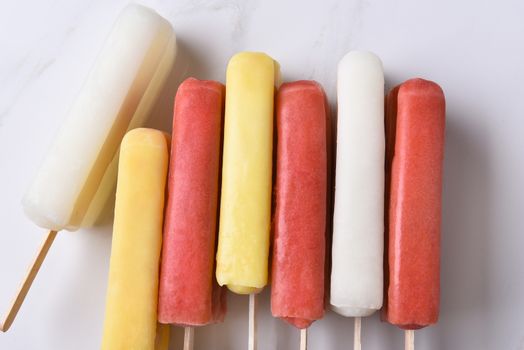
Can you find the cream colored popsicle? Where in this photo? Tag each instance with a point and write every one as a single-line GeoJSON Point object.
{"type": "Point", "coordinates": [132, 292]}
{"type": "Point", "coordinates": [76, 177]}
{"type": "Point", "coordinates": [245, 212]}
{"type": "Point", "coordinates": [358, 225]}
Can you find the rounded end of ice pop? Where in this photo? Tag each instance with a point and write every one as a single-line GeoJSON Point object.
{"type": "Point", "coordinates": [259, 59]}
{"type": "Point", "coordinates": [141, 10]}
{"type": "Point", "coordinates": [243, 289]}
{"type": "Point", "coordinates": [420, 86]}
{"type": "Point", "coordinates": [407, 324]}
{"type": "Point", "coordinates": [300, 86]}
{"type": "Point", "coordinates": [410, 327]}
{"type": "Point", "coordinates": [250, 56]}
{"type": "Point", "coordinates": [199, 84]}
{"type": "Point", "coordinates": [145, 137]}
{"type": "Point", "coordinates": [348, 311]}
{"type": "Point", "coordinates": [148, 16]}
{"type": "Point", "coordinates": [31, 209]}
{"type": "Point", "coordinates": [300, 323]}
{"type": "Point", "coordinates": [360, 59]}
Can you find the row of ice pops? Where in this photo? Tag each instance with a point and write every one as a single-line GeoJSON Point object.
{"type": "Point", "coordinates": [117, 97]}
{"type": "Point", "coordinates": [188, 293]}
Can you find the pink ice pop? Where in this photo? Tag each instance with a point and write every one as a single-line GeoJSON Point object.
{"type": "Point", "coordinates": [297, 291]}
{"type": "Point", "coordinates": [189, 294]}
{"type": "Point", "coordinates": [415, 123]}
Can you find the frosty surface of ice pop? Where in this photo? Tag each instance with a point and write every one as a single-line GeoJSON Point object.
{"type": "Point", "coordinates": [245, 212]}
{"type": "Point", "coordinates": [358, 228]}
{"type": "Point", "coordinates": [117, 96]}
{"type": "Point", "coordinates": [416, 118]}
{"type": "Point", "coordinates": [297, 286]}
{"type": "Point", "coordinates": [132, 292]}
{"type": "Point", "coordinates": [189, 293]}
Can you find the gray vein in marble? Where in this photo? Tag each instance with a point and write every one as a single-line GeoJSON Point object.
{"type": "Point", "coordinates": [36, 72]}
{"type": "Point", "coordinates": [342, 31]}
{"type": "Point", "coordinates": [244, 11]}
{"type": "Point", "coordinates": [29, 72]}
{"type": "Point", "coordinates": [240, 12]}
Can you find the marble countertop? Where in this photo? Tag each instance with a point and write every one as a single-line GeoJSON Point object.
{"type": "Point", "coordinates": [474, 50]}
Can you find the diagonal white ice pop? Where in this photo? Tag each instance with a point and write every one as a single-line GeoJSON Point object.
{"type": "Point", "coordinates": [79, 171]}
{"type": "Point", "coordinates": [358, 225]}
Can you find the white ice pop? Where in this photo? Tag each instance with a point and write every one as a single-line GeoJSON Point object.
{"type": "Point", "coordinates": [79, 171]}
{"type": "Point", "coordinates": [358, 227]}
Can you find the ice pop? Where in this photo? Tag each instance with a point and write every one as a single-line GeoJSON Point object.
{"type": "Point", "coordinates": [358, 228]}
{"type": "Point", "coordinates": [245, 211]}
{"type": "Point", "coordinates": [297, 278]}
{"type": "Point", "coordinates": [118, 95]}
{"type": "Point", "coordinates": [132, 292]}
{"type": "Point", "coordinates": [415, 123]}
{"type": "Point", "coordinates": [189, 294]}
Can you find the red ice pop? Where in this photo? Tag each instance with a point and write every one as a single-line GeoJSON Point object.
{"type": "Point", "coordinates": [415, 125]}
{"type": "Point", "coordinates": [297, 290]}
{"type": "Point", "coordinates": [188, 292]}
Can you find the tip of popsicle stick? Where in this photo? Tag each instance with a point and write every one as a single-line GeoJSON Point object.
{"type": "Point", "coordinates": [28, 281]}
{"type": "Point", "coordinates": [8, 319]}
{"type": "Point", "coordinates": [303, 339]}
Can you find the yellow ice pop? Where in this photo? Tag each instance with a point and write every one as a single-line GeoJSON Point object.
{"type": "Point", "coordinates": [163, 334]}
{"type": "Point", "coordinates": [245, 208]}
{"type": "Point", "coordinates": [132, 293]}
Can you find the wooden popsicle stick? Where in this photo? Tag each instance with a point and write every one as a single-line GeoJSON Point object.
{"type": "Point", "coordinates": [28, 281]}
{"type": "Point", "coordinates": [303, 339]}
{"type": "Point", "coordinates": [189, 338]}
{"type": "Point", "coordinates": [252, 340]}
{"type": "Point", "coordinates": [357, 344]}
{"type": "Point", "coordinates": [409, 340]}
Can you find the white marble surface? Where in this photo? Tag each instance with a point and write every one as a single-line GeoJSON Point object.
{"type": "Point", "coordinates": [473, 49]}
